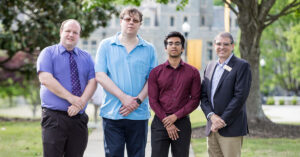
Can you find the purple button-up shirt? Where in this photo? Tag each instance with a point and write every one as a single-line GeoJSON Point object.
{"type": "Point", "coordinates": [174, 91]}
{"type": "Point", "coordinates": [55, 60]}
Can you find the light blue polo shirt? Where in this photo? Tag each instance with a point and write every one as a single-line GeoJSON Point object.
{"type": "Point", "coordinates": [129, 71]}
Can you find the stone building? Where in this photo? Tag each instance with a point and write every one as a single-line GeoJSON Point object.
{"type": "Point", "coordinates": [205, 20]}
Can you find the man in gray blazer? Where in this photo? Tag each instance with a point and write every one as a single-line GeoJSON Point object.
{"type": "Point", "coordinates": [225, 88]}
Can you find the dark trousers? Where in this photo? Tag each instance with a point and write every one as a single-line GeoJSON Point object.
{"type": "Point", "coordinates": [119, 132]}
{"type": "Point", "coordinates": [63, 135]}
{"type": "Point", "coordinates": [160, 141]}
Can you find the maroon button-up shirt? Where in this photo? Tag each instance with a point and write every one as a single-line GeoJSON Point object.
{"type": "Point", "coordinates": [174, 91]}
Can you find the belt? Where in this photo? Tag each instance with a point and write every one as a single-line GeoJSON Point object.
{"type": "Point", "coordinates": [61, 112]}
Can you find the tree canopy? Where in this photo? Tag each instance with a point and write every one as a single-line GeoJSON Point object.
{"type": "Point", "coordinates": [27, 26]}
{"type": "Point", "coordinates": [281, 54]}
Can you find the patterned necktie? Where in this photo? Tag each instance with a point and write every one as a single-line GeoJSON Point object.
{"type": "Point", "coordinates": [76, 89]}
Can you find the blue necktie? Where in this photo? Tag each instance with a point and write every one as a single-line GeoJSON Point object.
{"type": "Point", "coordinates": [76, 89]}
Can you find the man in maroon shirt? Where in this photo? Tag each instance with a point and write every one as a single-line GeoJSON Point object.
{"type": "Point", "coordinates": [174, 92]}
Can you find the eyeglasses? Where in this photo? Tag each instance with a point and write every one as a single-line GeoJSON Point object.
{"type": "Point", "coordinates": [224, 44]}
{"type": "Point", "coordinates": [176, 43]}
{"type": "Point", "coordinates": [131, 19]}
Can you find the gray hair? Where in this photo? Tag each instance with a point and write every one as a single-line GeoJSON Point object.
{"type": "Point", "coordinates": [224, 35]}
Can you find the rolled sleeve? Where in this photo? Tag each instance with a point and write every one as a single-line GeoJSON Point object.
{"type": "Point", "coordinates": [101, 61]}
{"type": "Point", "coordinates": [44, 62]}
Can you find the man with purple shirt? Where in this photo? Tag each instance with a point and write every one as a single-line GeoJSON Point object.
{"type": "Point", "coordinates": [67, 79]}
{"type": "Point", "coordinates": [174, 92]}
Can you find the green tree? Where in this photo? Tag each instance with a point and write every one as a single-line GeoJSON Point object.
{"type": "Point", "coordinates": [31, 25]}
{"type": "Point", "coordinates": [280, 54]}
{"type": "Point", "coordinates": [31, 92]}
{"type": "Point", "coordinates": [218, 2]}
{"type": "Point", "coordinates": [9, 91]}
{"type": "Point", "coordinates": [294, 56]}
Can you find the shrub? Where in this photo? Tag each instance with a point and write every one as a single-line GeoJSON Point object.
{"type": "Point", "coordinates": [281, 102]}
{"type": "Point", "coordinates": [270, 101]}
{"type": "Point", "coordinates": [294, 101]}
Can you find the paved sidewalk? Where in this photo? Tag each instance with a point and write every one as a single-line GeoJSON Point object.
{"type": "Point", "coordinates": [95, 146]}
{"type": "Point", "coordinates": [282, 114]}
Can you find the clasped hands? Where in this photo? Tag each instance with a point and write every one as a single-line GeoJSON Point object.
{"type": "Point", "coordinates": [170, 127]}
{"type": "Point", "coordinates": [77, 104]}
{"type": "Point", "coordinates": [217, 123]}
{"type": "Point", "coordinates": [129, 104]}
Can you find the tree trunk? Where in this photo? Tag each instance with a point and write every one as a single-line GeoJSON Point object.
{"type": "Point", "coordinates": [249, 48]}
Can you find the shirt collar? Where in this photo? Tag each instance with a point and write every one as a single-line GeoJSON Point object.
{"type": "Point", "coordinates": [116, 41]}
{"type": "Point", "coordinates": [62, 49]}
{"type": "Point", "coordinates": [167, 64]}
{"type": "Point", "coordinates": [226, 61]}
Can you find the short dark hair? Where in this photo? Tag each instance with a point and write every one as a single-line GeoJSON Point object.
{"type": "Point", "coordinates": [224, 35]}
{"type": "Point", "coordinates": [68, 20]}
{"type": "Point", "coordinates": [131, 11]}
{"type": "Point", "coordinates": [174, 34]}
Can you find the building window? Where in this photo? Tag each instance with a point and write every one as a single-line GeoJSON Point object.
{"type": "Point", "coordinates": [209, 44]}
{"type": "Point", "coordinates": [94, 42]}
{"type": "Point", "coordinates": [202, 21]}
{"type": "Point", "coordinates": [210, 54]}
{"type": "Point", "coordinates": [172, 21]}
{"type": "Point", "coordinates": [185, 19]}
{"type": "Point", "coordinates": [147, 21]}
{"type": "Point", "coordinates": [103, 35]}
{"type": "Point", "coordinates": [85, 42]}
{"type": "Point", "coordinates": [93, 51]}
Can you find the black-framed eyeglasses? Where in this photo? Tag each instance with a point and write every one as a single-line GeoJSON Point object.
{"type": "Point", "coordinates": [172, 43]}
{"type": "Point", "coordinates": [131, 19]}
{"type": "Point", "coordinates": [224, 44]}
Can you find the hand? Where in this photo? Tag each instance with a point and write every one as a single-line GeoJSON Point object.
{"type": "Point", "coordinates": [129, 104]}
{"type": "Point", "coordinates": [169, 120]}
{"type": "Point", "coordinates": [124, 111]}
{"type": "Point", "coordinates": [76, 101]}
{"type": "Point", "coordinates": [173, 132]}
{"type": "Point", "coordinates": [217, 123]}
{"type": "Point", "coordinates": [73, 110]}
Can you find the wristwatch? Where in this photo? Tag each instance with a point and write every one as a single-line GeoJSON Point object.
{"type": "Point", "coordinates": [138, 100]}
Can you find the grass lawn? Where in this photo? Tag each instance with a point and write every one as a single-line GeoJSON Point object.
{"type": "Point", "coordinates": [274, 147]}
{"type": "Point", "coordinates": [197, 118]}
{"type": "Point", "coordinates": [279, 147]}
{"type": "Point", "coordinates": [24, 139]}
{"type": "Point", "coordinates": [20, 139]}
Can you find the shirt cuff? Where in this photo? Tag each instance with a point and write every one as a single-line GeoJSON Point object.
{"type": "Point", "coordinates": [209, 115]}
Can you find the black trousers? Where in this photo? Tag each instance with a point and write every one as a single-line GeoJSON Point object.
{"type": "Point", "coordinates": [63, 135]}
{"type": "Point", "coordinates": [160, 141]}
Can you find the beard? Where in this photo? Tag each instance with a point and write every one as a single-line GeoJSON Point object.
{"type": "Point", "coordinates": [175, 55]}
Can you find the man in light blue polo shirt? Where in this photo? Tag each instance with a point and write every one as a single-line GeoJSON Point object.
{"type": "Point", "coordinates": [123, 64]}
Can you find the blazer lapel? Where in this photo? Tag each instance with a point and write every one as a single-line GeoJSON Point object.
{"type": "Point", "coordinates": [210, 70]}
{"type": "Point", "coordinates": [225, 73]}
